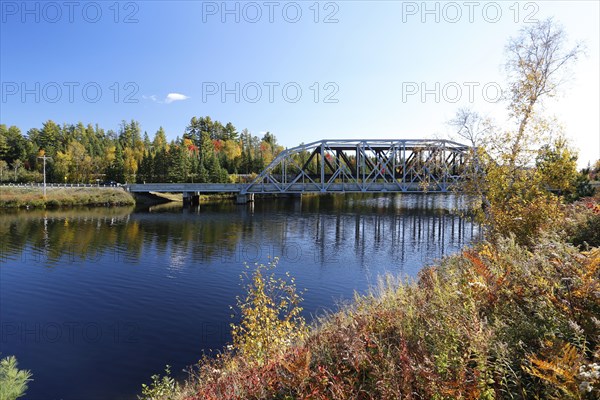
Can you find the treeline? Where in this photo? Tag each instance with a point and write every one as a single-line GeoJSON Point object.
{"type": "Point", "coordinates": [208, 151]}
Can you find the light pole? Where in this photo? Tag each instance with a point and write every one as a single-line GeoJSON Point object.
{"type": "Point", "coordinates": [44, 157]}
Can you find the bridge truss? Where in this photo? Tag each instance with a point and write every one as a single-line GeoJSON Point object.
{"type": "Point", "coordinates": [386, 165]}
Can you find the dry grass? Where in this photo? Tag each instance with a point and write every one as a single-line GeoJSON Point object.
{"type": "Point", "coordinates": [18, 197]}
{"type": "Point", "coordinates": [177, 197]}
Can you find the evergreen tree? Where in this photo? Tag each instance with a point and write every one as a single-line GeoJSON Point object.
{"type": "Point", "coordinates": [203, 176]}
{"type": "Point", "coordinates": [147, 142]}
{"type": "Point", "coordinates": [47, 138]}
{"type": "Point", "coordinates": [214, 169]}
{"type": "Point", "coordinates": [229, 132]}
{"type": "Point", "coordinates": [174, 164]}
{"type": "Point", "coordinates": [160, 165]}
{"type": "Point", "coordinates": [116, 171]}
{"type": "Point", "coordinates": [146, 169]}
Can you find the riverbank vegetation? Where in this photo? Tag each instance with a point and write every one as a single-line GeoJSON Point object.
{"type": "Point", "coordinates": [498, 320]}
{"type": "Point", "coordinates": [33, 197]}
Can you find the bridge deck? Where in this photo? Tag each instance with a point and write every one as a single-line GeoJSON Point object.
{"type": "Point", "coordinates": [370, 187]}
{"type": "Point", "coordinates": [186, 187]}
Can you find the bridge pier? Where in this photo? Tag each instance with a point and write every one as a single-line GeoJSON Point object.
{"type": "Point", "coordinates": [191, 198]}
{"type": "Point", "coordinates": [244, 198]}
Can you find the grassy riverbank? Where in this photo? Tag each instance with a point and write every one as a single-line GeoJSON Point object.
{"type": "Point", "coordinates": [498, 320]}
{"type": "Point", "coordinates": [33, 197]}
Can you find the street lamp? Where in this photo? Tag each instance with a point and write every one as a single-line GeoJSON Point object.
{"type": "Point", "coordinates": [44, 157]}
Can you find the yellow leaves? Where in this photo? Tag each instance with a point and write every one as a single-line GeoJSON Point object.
{"type": "Point", "coordinates": [525, 217]}
{"type": "Point", "coordinates": [486, 251]}
{"type": "Point", "coordinates": [110, 154]}
{"type": "Point", "coordinates": [558, 166]}
{"type": "Point", "coordinates": [130, 162]}
{"type": "Point", "coordinates": [187, 143]}
{"type": "Point", "coordinates": [270, 317]}
{"type": "Point", "coordinates": [232, 149]}
{"type": "Point", "coordinates": [594, 262]}
{"type": "Point", "coordinates": [560, 371]}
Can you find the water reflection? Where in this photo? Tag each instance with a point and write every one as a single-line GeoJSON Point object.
{"type": "Point", "coordinates": [323, 228]}
{"type": "Point", "coordinates": [163, 278]}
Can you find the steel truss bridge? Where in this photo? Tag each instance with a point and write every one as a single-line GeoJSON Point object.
{"type": "Point", "coordinates": [348, 166]}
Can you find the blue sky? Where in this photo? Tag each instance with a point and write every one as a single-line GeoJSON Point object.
{"type": "Point", "coordinates": [302, 70]}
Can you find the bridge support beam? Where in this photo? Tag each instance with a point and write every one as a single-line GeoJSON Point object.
{"type": "Point", "coordinates": [244, 198]}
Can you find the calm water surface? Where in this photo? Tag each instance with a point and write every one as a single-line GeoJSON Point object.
{"type": "Point", "coordinates": [94, 302]}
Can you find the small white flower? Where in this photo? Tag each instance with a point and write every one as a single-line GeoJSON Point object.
{"type": "Point", "coordinates": [585, 387]}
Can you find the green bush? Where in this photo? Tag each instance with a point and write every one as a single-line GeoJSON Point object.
{"type": "Point", "coordinates": [587, 232]}
{"type": "Point", "coordinates": [582, 223]}
{"type": "Point", "coordinates": [161, 388]}
{"type": "Point", "coordinates": [13, 381]}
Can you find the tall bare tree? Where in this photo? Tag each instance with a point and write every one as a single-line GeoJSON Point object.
{"type": "Point", "coordinates": [538, 63]}
{"type": "Point", "coordinates": [471, 126]}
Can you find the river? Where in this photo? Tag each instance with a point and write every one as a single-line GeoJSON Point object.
{"type": "Point", "coordinates": [95, 301]}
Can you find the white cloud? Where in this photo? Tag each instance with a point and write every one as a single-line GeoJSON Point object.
{"type": "Point", "coordinates": [171, 97]}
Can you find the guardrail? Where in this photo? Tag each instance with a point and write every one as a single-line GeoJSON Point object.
{"type": "Point", "coordinates": [61, 185]}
